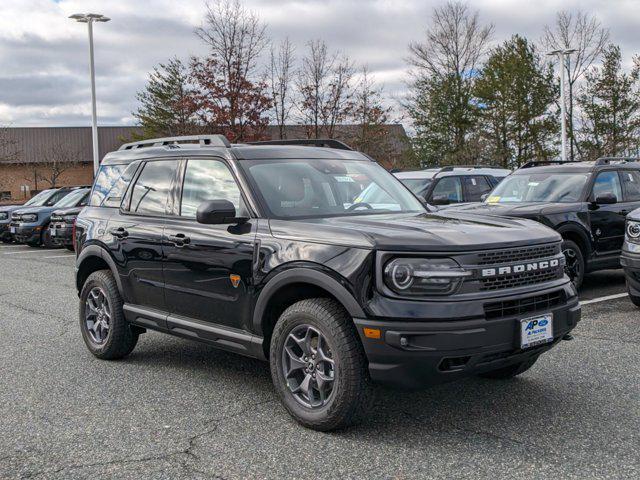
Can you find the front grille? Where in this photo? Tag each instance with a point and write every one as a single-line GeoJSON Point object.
{"type": "Point", "coordinates": [511, 308]}
{"type": "Point", "coordinates": [517, 254]}
{"type": "Point", "coordinates": [519, 279]}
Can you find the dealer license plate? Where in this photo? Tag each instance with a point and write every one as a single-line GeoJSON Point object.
{"type": "Point", "coordinates": [536, 330]}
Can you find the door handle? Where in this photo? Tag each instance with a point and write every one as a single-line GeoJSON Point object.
{"type": "Point", "coordinates": [179, 239]}
{"type": "Point", "coordinates": [120, 233]}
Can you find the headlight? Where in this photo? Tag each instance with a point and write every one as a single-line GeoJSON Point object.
{"type": "Point", "coordinates": [633, 230]}
{"type": "Point", "coordinates": [29, 217]}
{"type": "Point", "coordinates": [424, 276]}
{"type": "Point", "coordinates": [4, 215]}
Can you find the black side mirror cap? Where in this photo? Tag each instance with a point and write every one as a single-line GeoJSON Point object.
{"type": "Point", "coordinates": [440, 201]}
{"type": "Point", "coordinates": [218, 212]}
{"type": "Point", "coordinates": [606, 199]}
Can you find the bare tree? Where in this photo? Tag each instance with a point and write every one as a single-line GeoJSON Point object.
{"type": "Point", "coordinates": [281, 70]}
{"type": "Point", "coordinates": [55, 161]}
{"type": "Point", "coordinates": [444, 66]}
{"type": "Point", "coordinates": [236, 38]}
{"type": "Point", "coordinates": [585, 34]}
{"type": "Point", "coordinates": [324, 84]}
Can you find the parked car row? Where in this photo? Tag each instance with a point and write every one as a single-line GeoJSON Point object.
{"type": "Point", "coordinates": [46, 219]}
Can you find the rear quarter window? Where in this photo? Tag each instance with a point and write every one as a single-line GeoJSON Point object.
{"type": "Point", "coordinates": [111, 184]}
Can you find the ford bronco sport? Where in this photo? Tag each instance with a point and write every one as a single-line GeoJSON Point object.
{"type": "Point", "coordinates": [263, 250]}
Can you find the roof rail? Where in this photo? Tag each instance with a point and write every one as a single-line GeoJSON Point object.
{"type": "Point", "coordinates": [314, 142]}
{"type": "Point", "coordinates": [450, 168]}
{"type": "Point", "coordinates": [539, 163]}
{"type": "Point", "coordinates": [610, 160]}
{"type": "Point", "coordinates": [202, 140]}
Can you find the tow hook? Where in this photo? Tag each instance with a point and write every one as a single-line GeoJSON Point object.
{"type": "Point", "coordinates": [568, 337]}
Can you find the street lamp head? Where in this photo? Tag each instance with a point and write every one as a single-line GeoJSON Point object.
{"type": "Point", "coordinates": [89, 17]}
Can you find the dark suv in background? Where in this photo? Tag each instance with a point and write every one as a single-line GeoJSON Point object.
{"type": "Point", "coordinates": [268, 251]}
{"type": "Point", "coordinates": [30, 224]}
{"type": "Point", "coordinates": [64, 217]}
{"type": "Point", "coordinates": [49, 196]}
{"type": "Point", "coordinates": [586, 202]}
{"type": "Point", "coordinates": [453, 184]}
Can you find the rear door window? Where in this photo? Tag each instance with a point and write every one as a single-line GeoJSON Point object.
{"type": "Point", "coordinates": [631, 185]}
{"type": "Point", "coordinates": [150, 194]}
{"type": "Point", "coordinates": [476, 186]}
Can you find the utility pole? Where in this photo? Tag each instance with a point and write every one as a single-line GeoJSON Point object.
{"type": "Point", "coordinates": [89, 19]}
{"type": "Point", "coordinates": [563, 108]}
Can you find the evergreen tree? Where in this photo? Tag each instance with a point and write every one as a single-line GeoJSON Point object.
{"type": "Point", "coordinates": [609, 101]}
{"type": "Point", "coordinates": [514, 93]}
{"type": "Point", "coordinates": [165, 107]}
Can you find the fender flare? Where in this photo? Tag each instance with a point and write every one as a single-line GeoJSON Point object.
{"type": "Point", "coordinates": [580, 231]}
{"type": "Point", "coordinates": [99, 252]}
{"type": "Point", "coordinates": [303, 275]}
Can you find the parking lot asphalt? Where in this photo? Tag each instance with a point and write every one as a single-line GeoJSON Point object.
{"type": "Point", "coordinates": [177, 409]}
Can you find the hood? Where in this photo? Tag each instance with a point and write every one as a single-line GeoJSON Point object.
{"type": "Point", "coordinates": [634, 215]}
{"type": "Point", "coordinates": [523, 210]}
{"type": "Point", "coordinates": [67, 211]}
{"type": "Point", "coordinates": [10, 208]}
{"type": "Point", "coordinates": [443, 231]}
{"type": "Point", "coordinates": [44, 210]}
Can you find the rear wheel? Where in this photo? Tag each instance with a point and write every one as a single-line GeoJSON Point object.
{"type": "Point", "coordinates": [104, 328]}
{"type": "Point", "coordinates": [318, 365]}
{"type": "Point", "coordinates": [510, 371]}
{"type": "Point", "coordinates": [574, 266]}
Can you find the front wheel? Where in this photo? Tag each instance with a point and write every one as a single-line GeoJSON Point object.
{"type": "Point", "coordinates": [318, 365]}
{"type": "Point", "coordinates": [574, 266]}
{"type": "Point", "coordinates": [511, 371]}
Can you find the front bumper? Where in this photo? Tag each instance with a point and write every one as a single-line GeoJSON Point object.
{"type": "Point", "coordinates": [26, 233]}
{"type": "Point", "coordinates": [413, 354]}
{"type": "Point", "coordinates": [630, 261]}
{"type": "Point", "coordinates": [61, 233]}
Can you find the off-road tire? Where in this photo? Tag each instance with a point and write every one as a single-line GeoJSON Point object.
{"type": "Point", "coordinates": [352, 393]}
{"type": "Point", "coordinates": [511, 371]}
{"type": "Point", "coordinates": [122, 338]}
{"type": "Point", "coordinates": [573, 247]}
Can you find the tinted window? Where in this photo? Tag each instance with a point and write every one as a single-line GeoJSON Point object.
{"type": "Point", "coordinates": [39, 199]}
{"type": "Point", "coordinates": [73, 199]}
{"type": "Point", "coordinates": [151, 190]}
{"type": "Point", "coordinates": [631, 182]}
{"type": "Point", "coordinates": [476, 187]}
{"type": "Point", "coordinates": [208, 180]}
{"type": "Point", "coordinates": [59, 195]}
{"type": "Point", "coordinates": [114, 196]}
{"type": "Point", "coordinates": [448, 188]}
{"type": "Point", "coordinates": [104, 182]}
{"type": "Point", "coordinates": [607, 182]}
{"type": "Point", "coordinates": [418, 186]}
{"type": "Point", "coordinates": [540, 187]}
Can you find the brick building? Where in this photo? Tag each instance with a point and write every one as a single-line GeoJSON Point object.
{"type": "Point", "coordinates": [32, 158]}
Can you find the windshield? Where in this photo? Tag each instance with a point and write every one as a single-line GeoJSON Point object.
{"type": "Point", "coordinates": [72, 199]}
{"type": "Point", "coordinates": [318, 188]}
{"type": "Point", "coordinates": [39, 199]}
{"type": "Point", "coordinates": [540, 187]}
{"type": "Point", "coordinates": [418, 186]}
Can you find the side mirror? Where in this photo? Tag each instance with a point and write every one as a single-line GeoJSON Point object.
{"type": "Point", "coordinates": [217, 212]}
{"type": "Point", "coordinates": [440, 200]}
{"type": "Point", "coordinates": [484, 196]}
{"type": "Point", "coordinates": [606, 199]}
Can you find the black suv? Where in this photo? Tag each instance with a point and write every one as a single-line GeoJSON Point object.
{"type": "Point", "coordinates": [630, 258]}
{"type": "Point", "coordinates": [586, 202]}
{"type": "Point", "coordinates": [263, 250]}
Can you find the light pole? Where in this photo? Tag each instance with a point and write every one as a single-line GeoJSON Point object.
{"type": "Point", "coordinates": [89, 18]}
{"type": "Point", "coordinates": [563, 117]}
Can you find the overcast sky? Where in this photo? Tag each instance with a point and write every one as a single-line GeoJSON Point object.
{"type": "Point", "coordinates": [44, 59]}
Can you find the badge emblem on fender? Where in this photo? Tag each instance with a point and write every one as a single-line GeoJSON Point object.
{"type": "Point", "coordinates": [235, 280]}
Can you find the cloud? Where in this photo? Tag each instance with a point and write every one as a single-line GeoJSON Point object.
{"type": "Point", "coordinates": [44, 59]}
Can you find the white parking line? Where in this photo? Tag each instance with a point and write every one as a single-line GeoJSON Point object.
{"type": "Point", "coordinates": [29, 251]}
{"type": "Point", "coordinates": [12, 246]}
{"type": "Point", "coordinates": [604, 299]}
{"type": "Point", "coordinates": [61, 256]}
